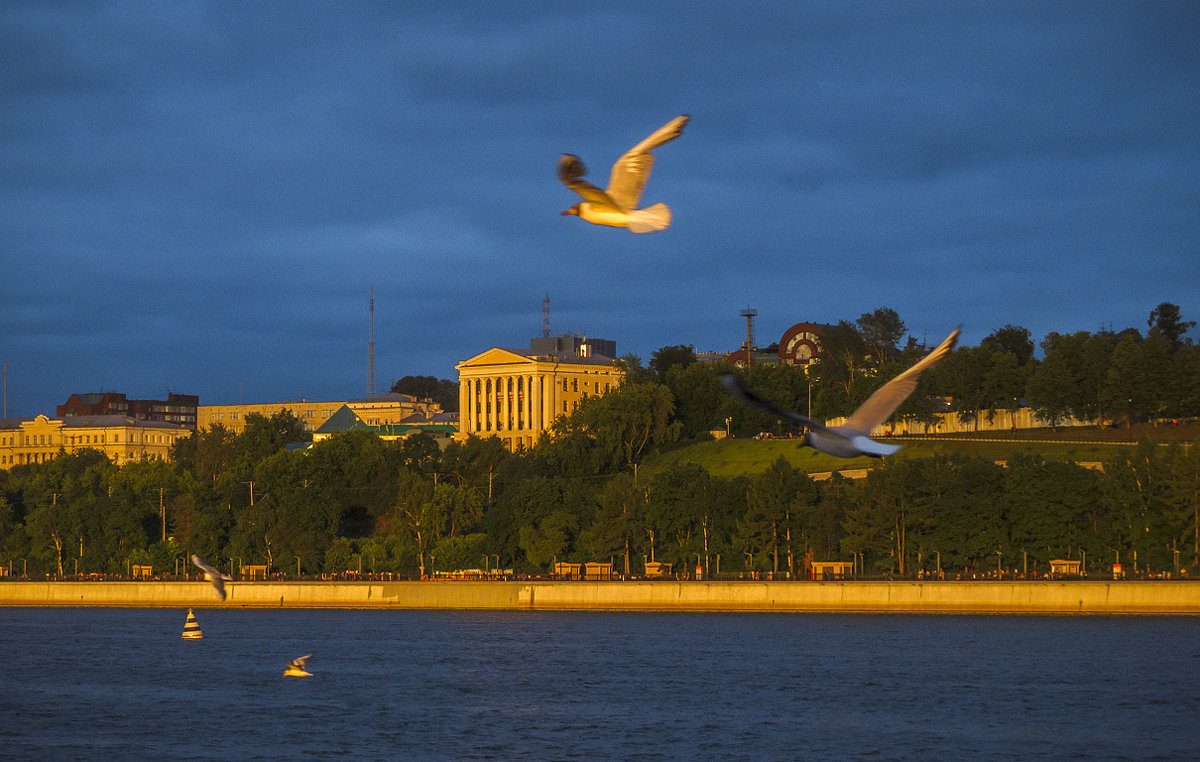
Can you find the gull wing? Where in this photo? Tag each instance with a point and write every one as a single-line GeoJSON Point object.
{"type": "Point", "coordinates": [632, 170]}
{"type": "Point", "coordinates": [570, 173]}
{"type": "Point", "coordinates": [205, 567]}
{"type": "Point", "coordinates": [737, 390]}
{"type": "Point", "coordinates": [888, 397]}
{"type": "Point", "coordinates": [300, 661]}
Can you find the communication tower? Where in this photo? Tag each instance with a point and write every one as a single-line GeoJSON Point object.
{"type": "Point", "coordinates": [546, 316]}
{"type": "Point", "coordinates": [749, 313]}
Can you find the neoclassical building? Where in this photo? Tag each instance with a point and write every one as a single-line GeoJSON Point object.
{"type": "Point", "coordinates": [122, 439]}
{"type": "Point", "coordinates": [516, 394]}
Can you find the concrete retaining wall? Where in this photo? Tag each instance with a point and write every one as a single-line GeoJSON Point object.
{"type": "Point", "coordinates": [1158, 597]}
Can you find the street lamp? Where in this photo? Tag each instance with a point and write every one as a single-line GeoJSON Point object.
{"type": "Point", "coordinates": [297, 567]}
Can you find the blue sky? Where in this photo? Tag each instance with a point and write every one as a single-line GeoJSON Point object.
{"type": "Point", "coordinates": [198, 196]}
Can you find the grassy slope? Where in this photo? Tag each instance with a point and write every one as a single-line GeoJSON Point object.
{"type": "Point", "coordinates": [1084, 444]}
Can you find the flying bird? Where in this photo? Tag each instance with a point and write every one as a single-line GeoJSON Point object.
{"type": "Point", "coordinates": [616, 206]}
{"type": "Point", "coordinates": [212, 575]}
{"type": "Point", "coordinates": [852, 438]}
{"type": "Point", "coordinates": [296, 668]}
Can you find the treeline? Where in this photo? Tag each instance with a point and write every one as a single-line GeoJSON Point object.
{"type": "Point", "coordinates": [356, 502]}
{"type": "Point", "coordinates": [1122, 377]}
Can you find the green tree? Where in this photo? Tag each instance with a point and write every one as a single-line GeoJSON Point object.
{"type": "Point", "coordinates": [619, 523]}
{"type": "Point", "coordinates": [1012, 339]}
{"type": "Point", "coordinates": [1049, 389]}
{"type": "Point", "coordinates": [1167, 319]}
{"type": "Point", "coordinates": [1126, 392]}
{"type": "Point", "coordinates": [881, 331]}
{"type": "Point", "coordinates": [772, 503]}
{"type": "Point", "coordinates": [442, 391]}
{"type": "Point", "coordinates": [550, 537]}
{"type": "Point", "coordinates": [666, 358]}
{"type": "Point", "coordinates": [679, 516]}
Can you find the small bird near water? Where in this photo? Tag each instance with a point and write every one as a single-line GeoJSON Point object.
{"type": "Point", "coordinates": [212, 575]}
{"type": "Point", "coordinates": [853, 438]}
{"type": "Point", "coordinates": [616, 206]}
{"type": "Point", "coordinates": [296, 668]}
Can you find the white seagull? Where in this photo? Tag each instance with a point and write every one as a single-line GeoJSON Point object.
{"type": "Point", "coordinates": [852, 438]}
{"type": "Point", "coordinates": [616, 206]}
{"type": "Point", "coordinates": [212, 575]}
{"type": "Point", "coordinates": [296, 668]}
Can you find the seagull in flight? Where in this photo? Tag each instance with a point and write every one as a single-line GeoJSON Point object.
{"type": "Point", "coordinates": [852, 438]}
{"type": "Point", "coordinates": [296, 668]}
{"type": "Point", "coordinates": [212, 575]}
{"type": "Point", "coordinates": [616, 206]}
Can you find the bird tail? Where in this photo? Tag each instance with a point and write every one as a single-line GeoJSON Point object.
{"type": "Point", "coordinates": [655, 217]}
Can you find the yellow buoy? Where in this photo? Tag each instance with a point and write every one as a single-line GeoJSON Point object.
{"type": "Point", "coordinates": [191, 628]}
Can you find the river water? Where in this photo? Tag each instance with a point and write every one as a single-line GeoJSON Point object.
{"type": "Point", "coordinates": [86, 683]}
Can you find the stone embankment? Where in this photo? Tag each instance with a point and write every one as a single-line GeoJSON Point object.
{"type": "Point", "coordinates": [1068, 597]}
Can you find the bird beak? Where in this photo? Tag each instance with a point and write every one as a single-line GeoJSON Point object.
{"type": "Point", "coordinates": [568, 213]}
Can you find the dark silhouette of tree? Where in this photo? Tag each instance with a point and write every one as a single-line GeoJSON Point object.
{"type": "Point", "coordinates": [1011, 338]}
{"type": "Point", "coordinates": [666, 358]}
{"type": "Point", "coordinates": [881, 331]}
{"type": "Point", "coordinates": [1166, 318]}
{"type": "Point", "coordinates": [442, 391]}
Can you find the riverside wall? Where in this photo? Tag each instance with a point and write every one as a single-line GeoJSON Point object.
{"type": "Point", "coordinates": [1160, 597]}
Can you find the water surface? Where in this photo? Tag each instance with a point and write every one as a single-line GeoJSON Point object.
{"type": "Point", "coordinates": [85, 683]}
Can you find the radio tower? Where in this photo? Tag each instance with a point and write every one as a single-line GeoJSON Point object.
{"type": "Point", "coordinates": [546, 316]}
{"type": "Point", "coordinates": [749, 314]}
{"type": "Point", "coordinates": [371, 349]}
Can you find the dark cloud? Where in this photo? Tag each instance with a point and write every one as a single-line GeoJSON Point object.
{"type": "Point", "coordinates": [199, 196]}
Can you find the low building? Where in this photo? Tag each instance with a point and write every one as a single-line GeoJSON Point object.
{"type": "Point", "coordinates": [179, 409]}
{"type": "Point", "coordinates": [516, 394]}
{"type": "Point", "coordinates": [123, 439]}
{"type": "Point", "coordinates": [379, 410]}
{"type": "Point", "coordinates": [442, 426]}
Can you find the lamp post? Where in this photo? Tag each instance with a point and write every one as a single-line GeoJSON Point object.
{"type": "Point", "coordinates": [297, 567]}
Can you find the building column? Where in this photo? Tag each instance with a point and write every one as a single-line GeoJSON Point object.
{"type": "Point", "coordinates": [464, 408]}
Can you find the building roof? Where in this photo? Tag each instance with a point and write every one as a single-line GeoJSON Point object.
{"type": "Point", "coordinates": [569, 357]}
{"type": "Point", "coordinates": [395, 397]}
{"type": "Point", "coordinates": [97, 421]}
{"type": "Point", "coordinates": [342, 420]}
{"type": "Point", "coordinates": [346, 419]}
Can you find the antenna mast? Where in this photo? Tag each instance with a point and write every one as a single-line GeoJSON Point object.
{"type": "Point", "coordinates": [546, 316]}
{"type": "Point", "coordinates": [749, 314]}
{"type": "Point", "coordinates": [371, 349]}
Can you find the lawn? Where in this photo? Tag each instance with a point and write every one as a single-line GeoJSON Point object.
{"type": "Point", "coordinates": [1085, 444]}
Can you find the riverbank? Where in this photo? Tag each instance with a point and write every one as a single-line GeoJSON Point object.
{"type": "Point", "coordinates": [1159, 597]}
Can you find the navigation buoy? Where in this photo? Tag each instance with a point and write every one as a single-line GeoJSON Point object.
{"type": "Point", "coordinates": [191, 628]}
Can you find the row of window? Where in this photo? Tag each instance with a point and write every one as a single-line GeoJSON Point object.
{"type": "Point", "coordinates": [20, 459]}
{"type": "Point", "coordinates": [36, 440]}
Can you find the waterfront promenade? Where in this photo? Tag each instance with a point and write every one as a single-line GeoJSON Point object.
{"type": "Point", "coordinates": [1158, 597]}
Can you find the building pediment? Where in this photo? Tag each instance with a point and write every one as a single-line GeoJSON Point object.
{"type": "Point", "coordinates": [495, 356]}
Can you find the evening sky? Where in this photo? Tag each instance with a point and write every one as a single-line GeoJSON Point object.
{"type": "Point", "coordinates": [198, 196]}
